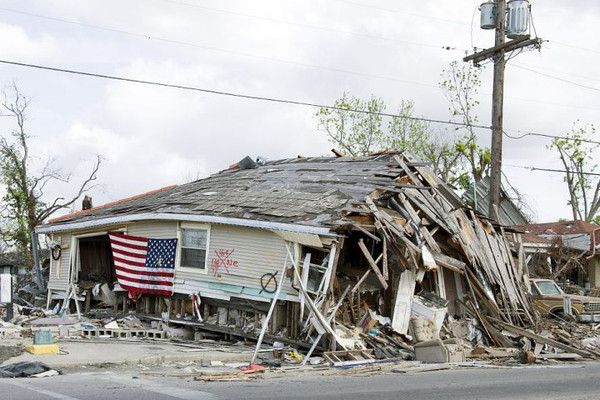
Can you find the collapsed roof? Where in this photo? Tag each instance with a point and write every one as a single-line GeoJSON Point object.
{"type": "Point", "coordinates": [308, 191]}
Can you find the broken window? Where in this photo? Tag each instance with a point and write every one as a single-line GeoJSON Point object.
{"type": "Point", "coordinates": [193, 248]}
{"type": "Point", "coordinates": [319, 260]}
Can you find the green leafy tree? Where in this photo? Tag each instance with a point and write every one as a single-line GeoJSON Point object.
{"type": "Point", "coordinates": [355, 133]}
{"type": "Point", "coordinates": [577, 157]}
{"type": "Point", "coordinates": [356, 127]}
{"type": "Point", "coordinates": [460, 84]}
{"type": "Point", "coordinates": [24, 205]}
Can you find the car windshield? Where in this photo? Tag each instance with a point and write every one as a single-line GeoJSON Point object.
{"type": "Point", "coordinates": [548, 287]}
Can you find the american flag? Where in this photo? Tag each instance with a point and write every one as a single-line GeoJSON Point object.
{"type": "Point", "coordinates": [144, 265]}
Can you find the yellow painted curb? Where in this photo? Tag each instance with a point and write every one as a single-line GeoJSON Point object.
{"type": "Point", "coordinates": [42, 348]}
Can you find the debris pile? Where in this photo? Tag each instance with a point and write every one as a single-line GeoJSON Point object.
{"type": "Point", "coordinates": [447, 278]}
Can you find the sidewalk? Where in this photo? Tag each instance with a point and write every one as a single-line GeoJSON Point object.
{"type": "Point", "coordinates": [102, 353]}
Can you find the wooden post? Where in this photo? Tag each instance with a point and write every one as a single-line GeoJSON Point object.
{"type": "Point", "coordinates": [271, 308]}
{"type": "Point", "coordinates": [497, 112]}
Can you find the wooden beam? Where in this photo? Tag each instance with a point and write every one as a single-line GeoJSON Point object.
{"type": "Point", "coordinates": [360, 281]}
{"type": "Point", "coordinates": [366, 232]}
{"type": "Point", "coordinates": [508, 46]}
{"type": "Point", "coordinates": [372, 263]}
{"type": "Point", "coordinates": [386, 270]}
{"type": "Point", "coordinates": [540, 339]}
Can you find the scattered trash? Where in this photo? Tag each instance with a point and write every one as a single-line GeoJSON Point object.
{"type": "Point", "coordinates": [26, 369]}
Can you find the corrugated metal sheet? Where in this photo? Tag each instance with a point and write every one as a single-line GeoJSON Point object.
{"type": "Point", "coordinates": [509, 212]}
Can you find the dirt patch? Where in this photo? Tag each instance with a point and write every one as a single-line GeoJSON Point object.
{"type": "Point", "coordinates": [7, 352]}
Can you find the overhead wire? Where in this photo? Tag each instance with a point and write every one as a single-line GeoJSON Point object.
{"type": "Point", "coordinates": [233, 94]}
{"type": "Point", "coordinates": [273, 99]}
{"type": "Point", "coordinates": [261, 57]}
{"type": "Point", "coordinates": [556, 77]}
{"type": "Point", "coordinates": [309, 26]}
{"type": "Point", "coordinates": [218, 49]}
{"type": "Point", "coordinates": [556, 71]}
{"type": "Point", "coordinates": [472, 22]}
{"type": "Point", "coordinates": [572, 46]}
{"type": "Point", "coordinates": [531, 168]}
{"type": "Point", "coordinates": [526, 134]}
{"type": "Point", "coordinates": [396, 11]}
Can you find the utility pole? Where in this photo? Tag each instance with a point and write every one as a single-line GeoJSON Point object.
{"type": "Point", "coordinates": [497, 112]}
{"type": "Point", "coordinates": [498, 55]}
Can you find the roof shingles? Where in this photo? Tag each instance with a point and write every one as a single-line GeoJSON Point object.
{"type": "Point", "coordinates": [301, 190]}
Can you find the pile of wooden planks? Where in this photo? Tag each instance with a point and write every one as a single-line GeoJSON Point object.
{"type": "Point", "coordinates": [428, 227]}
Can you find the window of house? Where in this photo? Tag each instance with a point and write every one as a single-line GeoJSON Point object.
{"type": "Point", "coordinates": [193, 248]}
{"type": "Point", "coordinates": [319, 260]}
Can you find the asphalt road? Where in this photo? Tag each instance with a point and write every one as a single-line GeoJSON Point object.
{"type": "Point", "coordinates": [563, 382]}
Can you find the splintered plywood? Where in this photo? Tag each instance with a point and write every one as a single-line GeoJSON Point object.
{"type": "Point", "coordinates": [403, 304]}
{"type": "Point", "coordinates": [304, 239]}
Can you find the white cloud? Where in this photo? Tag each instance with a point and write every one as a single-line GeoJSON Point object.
{"type": "Point", "coordinates": [17, 44]}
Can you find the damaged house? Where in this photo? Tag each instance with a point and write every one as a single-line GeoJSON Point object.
{"type": "Point", "coordinates": [566, 250]}
{"type": "Point", "coordinates": [337, 242]}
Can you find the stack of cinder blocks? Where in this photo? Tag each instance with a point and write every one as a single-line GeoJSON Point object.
{"type": "Point", "coordinates": [123, 333]}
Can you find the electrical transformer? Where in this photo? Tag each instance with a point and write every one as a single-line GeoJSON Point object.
{"type": "Point", "coordinates": [488, 15]}
{"type": "Point", "coordinates": [517, 20]}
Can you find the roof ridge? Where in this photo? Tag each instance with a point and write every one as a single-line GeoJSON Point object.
{"type": "Point", "coordinates": [111, 203]}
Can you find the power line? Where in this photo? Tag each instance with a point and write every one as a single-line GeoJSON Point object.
{"type": "Point", "coordinates": [260, 57]}
{"type": "Point", "coordinates": [556, 71]}
{"type": "Point", "coordinates": [576, 47]}
{"type": "Point", "coordinates": [218, 49]}
{"type": "Point", "coordinates": [310, 26]}
{"type": "Point", "coordinates": [238, 95]}
{"type": "Point", "coordinates": [274, 99]}
{"type": "Point", "coordinates": [556, 77]}
{"type": "Point", "coordinates": [396, 11]}
{"type": "Point", "coordinates": [552, 170]}
{"type": "Point", "coordinates": [525, 134]}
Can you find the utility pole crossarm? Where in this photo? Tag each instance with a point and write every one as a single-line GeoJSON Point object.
{"type": "Point", "coordinates": [507, 47]}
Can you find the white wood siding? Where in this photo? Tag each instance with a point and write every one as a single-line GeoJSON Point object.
{"type": "Point", "coordinates": [255, 253]}
{"type": "Point", "coordinates": [154, 230]}
{"type": "Point", "coordinates": [59, 269]}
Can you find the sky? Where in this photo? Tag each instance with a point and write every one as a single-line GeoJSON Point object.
{"type": "Point", "coordinates": [314, 51]}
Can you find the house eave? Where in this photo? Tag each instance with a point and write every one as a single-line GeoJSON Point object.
{"type": "Point", "coordinates": [211, 219]}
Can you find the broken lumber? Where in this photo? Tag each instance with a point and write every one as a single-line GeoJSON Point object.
{"type": "Point", "coordinates": [372, 263]}
{"type": "Point", "coordinates": [540, 339]}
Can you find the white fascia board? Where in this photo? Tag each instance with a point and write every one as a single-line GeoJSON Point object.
{"type": "Point", "coordinates": [209, 219]}
{"type": "Point", "coordinates": [527, 245]}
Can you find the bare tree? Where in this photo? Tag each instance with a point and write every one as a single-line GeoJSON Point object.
{"type": "Point", "coordinates": [24, 204]}
{"type": "Point", "coordinates": [577, 157]}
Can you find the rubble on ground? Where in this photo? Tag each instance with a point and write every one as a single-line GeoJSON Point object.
{"type": "Point", "coordinates": [436, 282]}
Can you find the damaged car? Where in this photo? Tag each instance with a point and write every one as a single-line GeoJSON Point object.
{"type": "Point", "coordinates": [549, 299]}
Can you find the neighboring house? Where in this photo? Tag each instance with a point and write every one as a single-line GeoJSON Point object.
{"type": "Point", "coordinates": [563, 244]}
{"type": "Point", "coordinates": [20, 264]}
{"type": "Point", "coordinates": [478, 197]}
